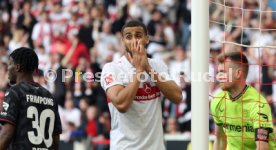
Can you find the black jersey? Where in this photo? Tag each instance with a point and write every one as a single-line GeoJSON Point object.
{"type": "Point", "coordinates": [34, 112]}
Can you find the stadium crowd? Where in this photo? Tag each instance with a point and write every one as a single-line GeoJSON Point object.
{"type": "Point", "coordinates": [74, 37]}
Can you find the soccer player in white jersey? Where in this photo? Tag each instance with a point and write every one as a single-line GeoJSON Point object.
{"type": "Point", "coordinates": [133, 85]}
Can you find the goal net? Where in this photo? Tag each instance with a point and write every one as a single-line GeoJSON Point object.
{"type": "Point", "coordinates": [248, 27]}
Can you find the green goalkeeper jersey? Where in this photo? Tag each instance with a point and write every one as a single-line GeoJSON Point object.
{"type": "Point", "coordinates": [241, 117]}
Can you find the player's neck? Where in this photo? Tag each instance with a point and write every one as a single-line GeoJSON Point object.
{"type": "Point", "coordinates": [237, 91]}
{"type": "Point", "coordinates": [24, 78]}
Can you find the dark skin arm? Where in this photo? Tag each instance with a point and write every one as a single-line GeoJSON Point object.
{"type": "Point", "coordinates": [6, 133]}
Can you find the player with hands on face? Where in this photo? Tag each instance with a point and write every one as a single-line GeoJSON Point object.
{"type": "Point", "coordinates": [135, 100]}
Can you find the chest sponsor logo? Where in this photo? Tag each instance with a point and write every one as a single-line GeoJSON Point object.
{"type": "Point", "coordinates": [147, 92]}
{"type": "Point", "coordinates": [238, 128]}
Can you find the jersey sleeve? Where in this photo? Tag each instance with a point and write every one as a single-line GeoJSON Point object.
{"type": "Point", "coordinates": [110, 76]}
{"type": "Point", "coordinates": [57, 126]}
{"type": "Point", "coordinates": [10, 108]}
{"type": "Point", "coordinates": [214, 113]}
{"type": "Point", "coordinates": [161, 68]}
{"type": "Point", "coordinates": [262, 121]}
{"type": "Point", "coordinates": [261, 115]}
{"type": "Point", "coordinates": [215, 106]}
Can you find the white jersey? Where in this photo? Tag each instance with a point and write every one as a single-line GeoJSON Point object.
{"type": "Point", "coordinates": [140, 128]}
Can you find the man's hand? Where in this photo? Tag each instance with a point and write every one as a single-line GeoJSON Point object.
{"type": "Point", "coordinates": [139, 57]}
{"type": "Point", "coordinates": [143, 54]}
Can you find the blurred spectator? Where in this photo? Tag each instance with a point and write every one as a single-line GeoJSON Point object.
{"type": "Point", "coordinates": [57, 87]}
{"type": "Point", "coordinates": [106, 44]}
{"type": "Point", "coordinates": [97, 17]}
{"type": "Point", "coordinates": [15, 12]}
{"type": "Point", "coordinates": [92, 123]}
{"type": "Point", "coordinates": [85, 32]}
{"type": "Point", "coordinates": [169, 35]}
{"type": "Point", "coordinates": [42, 32]}
{"type": "Point", "coordinates": [59, 19]}
{"type": "Point", "coordinates": [180, 63]}
{"type": "Point", "coordinates": [19, 39]}
{"type": "Point", "coordinates": [267, 74]}
{"type": "Point", "coordinates": [183, 110]}
{"type": "Point", "coordinates": [94, 128]}
{"type": "Point", "coordinates": [26, 21]}
{"type": "Point", "coordinates": [74, 50]}
{"type": "Point", "coordinates": [70, 119]}
{"type": "Point", "coordinates": [103, 132]}
{"type": "Point", "coordinates": [254, 69]}
{"type": "Point", "coordinates": [184, 18]}
{"type": "Point", "coordinates": [4, 76]}
{"type": "Point", "coordinates": [43, 57]}
{"type": "Point", "coordinates": [155, 22]}
{"type": "Point", "coordinates": [172, 127]}
{"type": "Point", "coordinates": [73, 25]}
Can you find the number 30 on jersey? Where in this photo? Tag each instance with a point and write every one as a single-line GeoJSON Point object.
{"type": "Point", "coordinates": [39, 124]}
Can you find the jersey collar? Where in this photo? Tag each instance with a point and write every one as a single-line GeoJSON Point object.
{"type": "Point", "coordinates": [239, 95]}
{"type": "Point", "coordinates": [126, 62]}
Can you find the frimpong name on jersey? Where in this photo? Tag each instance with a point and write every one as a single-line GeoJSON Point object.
{"type": "Point", "coordinates": [39, 100]}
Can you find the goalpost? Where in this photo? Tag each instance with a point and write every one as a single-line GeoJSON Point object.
{"type": "Point", "coordinates": [199, 66]}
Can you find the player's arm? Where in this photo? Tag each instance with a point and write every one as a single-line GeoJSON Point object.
{"type": "Point", "coordinates": [262, 138]}
{"type": "Point", "coordinates": [168, 87]}
{"type": "Point", "coordinates": [261, 145]}
{"type": "Point", "coordinates": [56, 142]}
{"type": "Point", "coordinates": [262, 123]}
{"type": "Point", "coordinates": [220, 140]}
{"type": "Point", "coordinates": [122, 96]}
{"type": "Point", "coordinates": [8, 115]}
{"type": "Point", "coordinates": [7, 131]}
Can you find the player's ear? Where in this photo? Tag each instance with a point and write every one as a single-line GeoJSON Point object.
{"type": "Point", "coordinates": [17, 67]}
{"type": "Point", "coordinates": [239, 73]}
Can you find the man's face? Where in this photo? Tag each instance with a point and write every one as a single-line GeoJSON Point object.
{"type": "Point", "coordinates": [226, 75]}
{"type": "Point", "coordinates": [132, 34]}
{"type": "Point", "coordinates": [12, 71]}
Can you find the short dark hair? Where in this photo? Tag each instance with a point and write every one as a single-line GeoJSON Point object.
{"type": "Point", "coordinates": [26, 58]}
{"type": "Point", "coordinates": [237, 57]}
{"type": "Point", "coordinates": [135, 23]}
